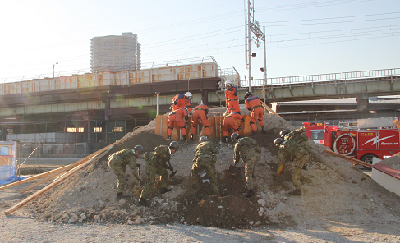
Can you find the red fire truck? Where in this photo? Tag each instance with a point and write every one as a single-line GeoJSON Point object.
{"type": "Point", "coordinates": [321, 133]}
{"type": "Point", "coordinates": [365, 139]}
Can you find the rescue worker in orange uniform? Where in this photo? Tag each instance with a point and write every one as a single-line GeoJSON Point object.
{"type": "Point", "coordinates": [253, 104]}
{"type": "Point", "coordinates": [179, 101]}
{"type": "Point", "coordinates": [230, 123]}
{"type": "Point", "coordinates": [232, 99]}
{"type": "Point", "coordinates": [188, 97]}
{"type": "Point", "coordinates": [178, 117]}
{"type": "Point", "coordinates": [199, 116]}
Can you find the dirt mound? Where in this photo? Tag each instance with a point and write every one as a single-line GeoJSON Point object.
{"type": "Point", "coordinates": [333, 190]}
{"type": "Point", "coordinates": [393, 162]}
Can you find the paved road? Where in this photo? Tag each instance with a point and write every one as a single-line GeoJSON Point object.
{"type": "Point", "coordinates": [49, 161]}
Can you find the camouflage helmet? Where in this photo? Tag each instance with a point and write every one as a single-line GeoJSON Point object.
{"type": "Point", "coordinates": [283, 133]}
{"type": "Point", "coordinates": [203, 139]}
{"type": "Point", "coordinates": [139, 148]}
{"type": "Point", "coordinates": [278, 141]}
{"type": "Point", "coordinates": [174, 145]}
{"type": "Point", "coordinates": [234, 136]}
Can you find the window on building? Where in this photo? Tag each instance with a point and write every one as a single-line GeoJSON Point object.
{"type": "Point", "coordinates": [98, 129]}
{"type": "Point", "coordinates": [75, 129]}
{"type": "Point", "coordinates": [117, 129]}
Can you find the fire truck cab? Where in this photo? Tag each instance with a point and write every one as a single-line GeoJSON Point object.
{"type": "Point", "coordinates": [321, 133]}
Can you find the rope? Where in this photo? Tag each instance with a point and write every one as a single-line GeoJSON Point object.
{"type": "Point", "coordinates": [19, 166]}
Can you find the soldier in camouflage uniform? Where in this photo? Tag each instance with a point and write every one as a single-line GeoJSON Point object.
{"type": "Point", "coordinates": [118, 162]}
{"type": "Point", "coordinates": [157, 164]}
{"type": "Point", "coordinates": [205, 158]}
{"type": "Point", "coordinates": [247, 149]}
{"type": "Point", "coordinates": [293, 146]}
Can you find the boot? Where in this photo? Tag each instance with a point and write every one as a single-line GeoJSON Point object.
{"type": "Point", "coordinates": [183, 139]}
{"type": "Point", "coordinates": [169, 137]}
{"type": "Point", "coordinates": [143, 202]}
{"type": "Point", "coordinates": [164, 190]}
{"type": "Point", "coordinates": [119, 195]}
{"type": "Point", "coordinates": [295, 192]}
{"type": "Point", "coordinates": [208, 137]}
{"type": "Point", "coordinates": [225, 139]}
{"type": "Point", "coordinates": [191, 137]}
{"type": "Point", "coordinates": [262, 129]}
{"type": "Point", "coordinates": [249, 194]}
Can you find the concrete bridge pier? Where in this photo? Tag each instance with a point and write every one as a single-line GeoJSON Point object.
{"type": "Point", "coordinates": [204, 96]}
{"type": "Point", "coordinates": [362, 102]}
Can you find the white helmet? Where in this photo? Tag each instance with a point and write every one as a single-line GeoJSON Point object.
{"type": "Point", "coordinates": [228, 82]}
{"type": "Point", "coordinates": [203, 139]}
{"type": "Point", "coordinates": [188, 94]}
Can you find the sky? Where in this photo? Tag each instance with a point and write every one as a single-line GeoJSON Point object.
{"type": "Point", "coordinates": [303, 37]}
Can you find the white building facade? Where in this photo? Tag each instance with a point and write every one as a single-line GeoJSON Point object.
{"type": "Point", "coordinates": [115, 53]}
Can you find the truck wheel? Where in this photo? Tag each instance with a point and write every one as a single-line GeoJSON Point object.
{"type": "Point", "coordinates": [367, 158]}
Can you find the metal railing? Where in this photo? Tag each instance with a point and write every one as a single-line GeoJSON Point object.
{"type": "Point", "coordinates": [353, 75]}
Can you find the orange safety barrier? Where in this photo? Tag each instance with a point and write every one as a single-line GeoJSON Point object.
{"type": "Point", "coordinates": [215, 124]}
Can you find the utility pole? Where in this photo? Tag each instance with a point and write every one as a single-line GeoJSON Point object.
{"type": "Point", "coordinates": [249, 40]}
{"type": "Point", "coordinates": [158, 109]}
{"type": "Point", "coordinates": [265, 65]}
{"type": "Point", "coordinates": [53, 68]}
{"type": "Point", "coordinates": [253, 26]}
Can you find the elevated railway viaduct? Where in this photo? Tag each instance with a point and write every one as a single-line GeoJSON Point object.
{"type": "Point", "coordinates": [102, 107]}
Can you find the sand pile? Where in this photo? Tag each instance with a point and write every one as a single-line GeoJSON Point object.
{"type": "Point", "coordinates": [333, 191]}
{"type": "Point", "coordinates": [393, 162]}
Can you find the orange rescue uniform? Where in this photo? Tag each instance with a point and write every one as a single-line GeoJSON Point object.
{"type": "Point", "coordinates": [230, 122]}
{"type": "Point", "coordinates": [177, 117]}
{"type": "Point", "coordinates": [200, 114]}
{"type": "Point", "coordinates": [253, 104]}
{"type": "Point", "coordinates": [232, 99]}
{"type": "Point", "coordinates": [179, 101]}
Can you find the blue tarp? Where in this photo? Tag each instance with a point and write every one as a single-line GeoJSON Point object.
{"type": "Point", "coordinates": [11, 179]}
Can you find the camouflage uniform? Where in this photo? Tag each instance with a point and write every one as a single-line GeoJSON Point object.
{"type": "Point", "coordinates": [156, 164]}
{"type": "Point", "coordinates": [205, 158]}
{"type": "Point", "coordinates": [296, 149]}
{"type": "Point", "coordinates": [118, 162]}
{"type": "Point", "coordinates": [249, 151]}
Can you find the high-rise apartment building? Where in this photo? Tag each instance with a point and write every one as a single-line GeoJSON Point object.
{"type": "Point", "coordinates": [115, 53]}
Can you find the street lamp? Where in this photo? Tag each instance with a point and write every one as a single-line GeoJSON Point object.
{"type": "Point", "coordinates": [53, 68]}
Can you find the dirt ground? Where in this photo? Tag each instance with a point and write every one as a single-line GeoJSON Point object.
{"type": "Point", "coordinates": [339, 203]}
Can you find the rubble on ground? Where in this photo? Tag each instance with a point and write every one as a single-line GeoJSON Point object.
{"type": "Point", "coordinates": [332, 190]}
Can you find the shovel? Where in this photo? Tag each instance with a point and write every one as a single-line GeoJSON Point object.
{"type": "Point", "coordinates": [171, 169]}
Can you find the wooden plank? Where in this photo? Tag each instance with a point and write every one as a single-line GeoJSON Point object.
{"type": "Point", "coordinates": [64, 168]}
{"type": "Point", "coordinates": [40, 181]}
{"type": "Point", "coordinates": [57, 181]}
{"type": "Point", "coordinates": [268, 109]}
{"type": "Point", "coordinates": [347, 158]}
